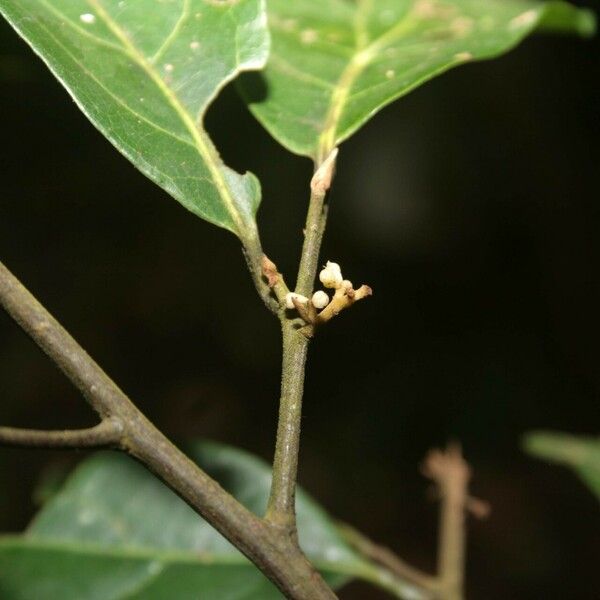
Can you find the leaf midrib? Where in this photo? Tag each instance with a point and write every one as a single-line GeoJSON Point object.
{"type": "Point", "coordinates": [89, 73]}
{"type": "Point", "coordinates": [358, 63]}
{"type": "Point", "coordinates": [201, 141]}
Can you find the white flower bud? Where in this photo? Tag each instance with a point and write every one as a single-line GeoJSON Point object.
{"type": "Point", "coordinates": [320, 299]}
{"type": "Point", "coordinates": [347, 284]}
{"type": "Point", "coordinates": [331, 275]}
{"type": "Point", "coordinates": [290, 297]}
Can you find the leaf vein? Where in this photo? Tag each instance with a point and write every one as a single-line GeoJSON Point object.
{"type": "Point", "coordinates": [356, 66]}
{"type": "Point", "coordinates": [185, 13]}
{"type": "Point", "coordinates": [203, 144]}
{"type": "Point", "coordinates": [116, 98]}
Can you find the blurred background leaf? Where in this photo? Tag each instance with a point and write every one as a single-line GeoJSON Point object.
{"type": "Point", "coordinates": [580, 453]}
{"type": "Point", "coordinates": [114, 531]}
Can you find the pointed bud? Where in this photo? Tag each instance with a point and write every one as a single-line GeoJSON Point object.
{"type": "Point", "coordinates": [321, 181]}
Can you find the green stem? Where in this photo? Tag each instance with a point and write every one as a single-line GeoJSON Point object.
{"type": "Point", "coordinates": [281, 508]}
{"type": "Point", "coordinates": [316, 221]}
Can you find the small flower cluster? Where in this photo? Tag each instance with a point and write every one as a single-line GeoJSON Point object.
{"type": "Point", "coordinates": [331, 277]}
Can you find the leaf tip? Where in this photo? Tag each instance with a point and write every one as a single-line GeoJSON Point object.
{"type": "Point", "coordinates": [561, 17]}
{"type": "Point", "coordinates": [555, 446]}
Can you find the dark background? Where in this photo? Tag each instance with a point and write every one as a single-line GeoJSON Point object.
{"type": "Point", "coordinates": [472, 209]}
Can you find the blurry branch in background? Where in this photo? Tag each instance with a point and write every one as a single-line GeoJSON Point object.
{"type": "Point", "coordinates": [387, 559]}
{"type": "Point", "coordinates": [451, 475]}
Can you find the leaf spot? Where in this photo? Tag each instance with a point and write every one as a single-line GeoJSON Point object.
{"type": "Point", "coordinates": [86, 517]}
{"type": "Point", "coordinates": [390, 73]}
{"type": "Point", "coordinates": [425, 9]}
{"type": "Point", "coordinates": [463, 56]}
{"type": "Point", "coordinates": [155, 567]}
{"type": "Point", "coordinates": [87, 18]}
{"type": "Point", "coordinates": [432, 9]}
{"type": "Point", "coordinates": [523, 20]}
{"type": "Point", "coordinates": [332, 553]}
{"type": "Point", "coordinates": [169, 68]}
{"type": "Point", "coordinates": [195, 45]}
{"type": "Point", "coordinates": [461, 26]}
{"type": "Point", "coordinates": [308, 36]}
{"type": "Point", "coordinates": [289, 24]}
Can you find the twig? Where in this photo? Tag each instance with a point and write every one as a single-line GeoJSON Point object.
{"type": "Point", "coordinates": [281, 508]}
{"type": "Point", "coordinates": [316, 220]}
{"type": "Point", "coordinates": [342, 299]}
{"type": "Point", "coordinates": [451, 473]}
{"type": "Point", "coordinates": [273, 553]}
{"type": "Point", "coordinates": [385, 557]}
{"type": "Point", "coordinates": [105, 434]}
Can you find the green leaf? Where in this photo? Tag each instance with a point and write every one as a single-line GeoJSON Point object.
{"type": "Point", "coordinates": [335, 63]}
{"type": "Point", "coordinates": [144, 72]}
{"type": "Point", "coordinates": [115, 532]}
{"type": "Point", "coordinates": [580, 453]}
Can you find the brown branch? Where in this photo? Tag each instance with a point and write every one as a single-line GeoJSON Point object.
{"type": "Point", "coordinates": [104, 435]}
{"type": "Point", "coordinates": [449, 470]}
{"type": "Point", "coordinates": [343, 298]}
{"type": "Point", "coordinates": [278, 557]}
